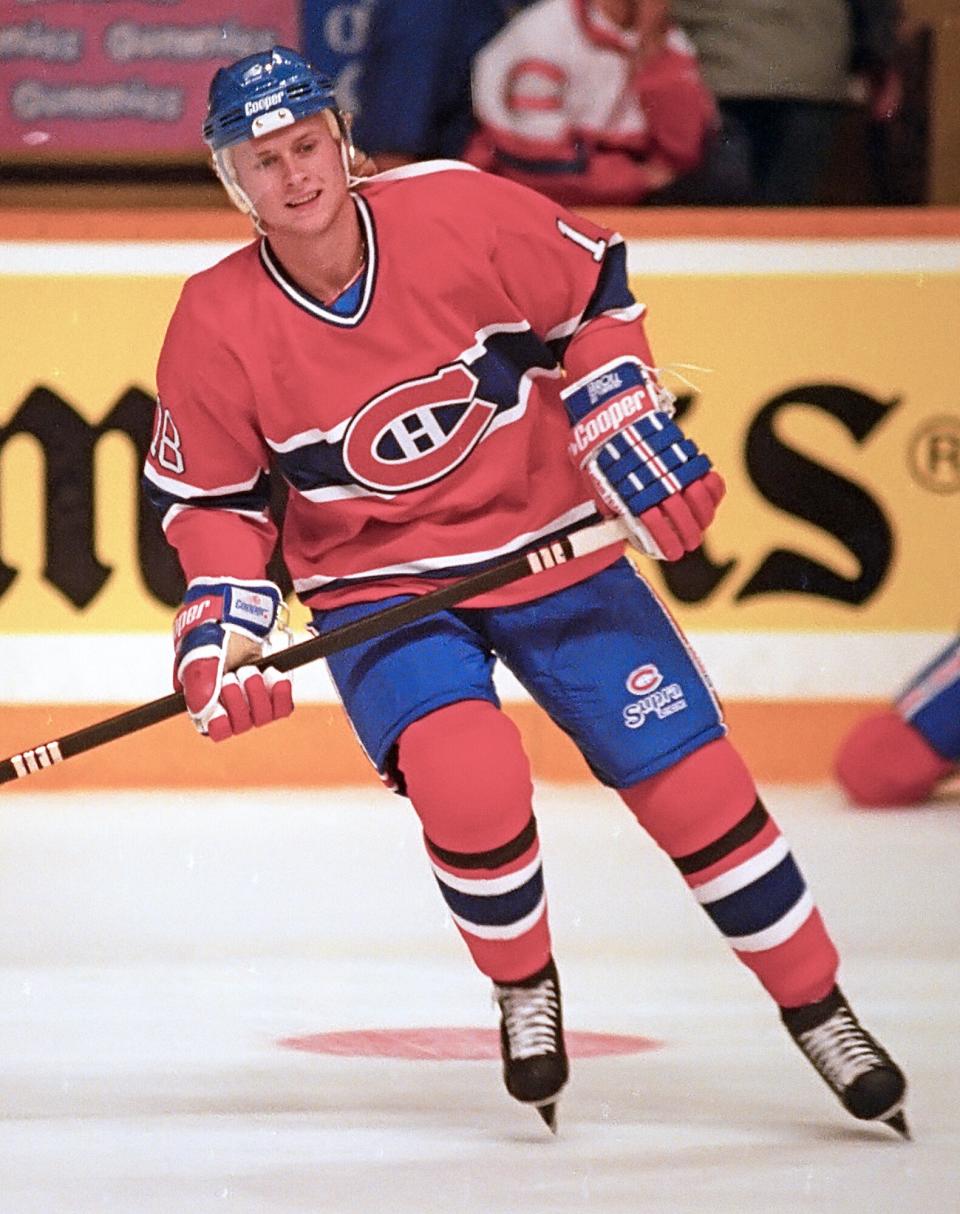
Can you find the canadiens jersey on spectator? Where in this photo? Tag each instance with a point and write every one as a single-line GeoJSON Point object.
{"type": "Point", "coordinates": [570, 103]}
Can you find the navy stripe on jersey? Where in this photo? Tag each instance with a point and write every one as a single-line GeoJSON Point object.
{"type": "Point", "coordinates": [506, 357]}
{"type": "Point", "coordinates": [611, 293]}
{"type": "Point", "coordinates": [254, 500]}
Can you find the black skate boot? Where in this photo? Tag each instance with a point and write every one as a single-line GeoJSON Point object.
{"type": "Point", "coordinates": [531, 1041]}
{"type": "Point", "coordinates": [868, 1082]}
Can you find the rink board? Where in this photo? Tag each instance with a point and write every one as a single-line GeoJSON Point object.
{"type": "Point", "coordinates": [813, 352]}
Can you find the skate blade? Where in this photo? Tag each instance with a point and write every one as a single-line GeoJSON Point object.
{"type": "Point", "coordinates": [549, 1114]}
{"type": "Point", "coordinates": [899, 1123]}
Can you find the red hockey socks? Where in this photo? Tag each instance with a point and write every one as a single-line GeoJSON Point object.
{"type": "Point", "coordinates": [469, 780]}
{"type": "Point", "coordinates": [705, 813]}
{"type": "Point", "coordinates": [884, 761]}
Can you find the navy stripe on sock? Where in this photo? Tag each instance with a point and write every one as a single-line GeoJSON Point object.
{"type": "Point", "coordinates": [495, 910]}
{"type": "Point", "coordinates": [761, 903]}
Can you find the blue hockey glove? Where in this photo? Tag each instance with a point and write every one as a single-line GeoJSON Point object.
{"type": "Point", "coordinates": [641, 464]}
{"type": "Point", "coordinates": [218, 631]}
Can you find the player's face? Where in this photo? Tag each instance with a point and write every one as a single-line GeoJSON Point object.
{"type": "Point", "coordinates": [294, 177]}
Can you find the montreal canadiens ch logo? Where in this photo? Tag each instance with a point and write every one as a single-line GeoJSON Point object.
{"type": "Point", "coordinates": [644, 679]}
{"type": "Point", "coordinates": [417, 432]}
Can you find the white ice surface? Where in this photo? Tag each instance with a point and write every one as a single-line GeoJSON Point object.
{"type": "Point", "coordinates": [155, 947]}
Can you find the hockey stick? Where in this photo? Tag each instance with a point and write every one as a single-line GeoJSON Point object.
{"type": "Point", "coordinates": [578, 543]}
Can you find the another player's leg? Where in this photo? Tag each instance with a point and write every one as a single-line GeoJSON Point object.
{"type": "Point", "coordinates": [468, 778]}
{"type": "Point", "coordinates": [900, 755]}
{"type": "Point", "coordinates": [705, 813]}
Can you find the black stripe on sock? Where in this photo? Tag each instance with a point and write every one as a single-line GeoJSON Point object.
{"type": "Point", "coordinates": [746, 829]}
{"type": "Point", "coordinates": [487, 859]}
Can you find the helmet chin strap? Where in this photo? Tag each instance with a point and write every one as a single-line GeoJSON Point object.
{"type": "Point", "coordinates": [348, 153]}
{"type": "Point", "coordinates": [223, 167]}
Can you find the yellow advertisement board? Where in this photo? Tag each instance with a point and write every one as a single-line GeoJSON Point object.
{"type": "Point", "coordinates": [828, 399]}
{"type": "Point", "coordinates": [819, 369]}
{"type": "Point", "coordinates": [830, 404]}
{"type": "Point", "coordinates": [76, 348]}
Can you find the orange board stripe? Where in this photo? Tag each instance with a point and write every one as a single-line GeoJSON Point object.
{"type": "Point", "coordinates": [133, 224]}
{"type": "Point", "coordinates": [745, 223]}
{"type": "Point", "coordinates": [784, 741]}
{"type": "Point", "coordinates": [215, 223]}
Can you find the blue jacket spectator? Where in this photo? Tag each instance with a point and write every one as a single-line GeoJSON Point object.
{"type": "Point", "coordinates": [414, 84]}
{"type": "Point", "coordinates": [334, 40]}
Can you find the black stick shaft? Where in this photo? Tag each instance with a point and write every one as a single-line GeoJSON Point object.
{"type": "Point", "coordinates": [591, 539]}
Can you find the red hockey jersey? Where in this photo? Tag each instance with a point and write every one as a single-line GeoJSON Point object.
{"type": "Point", "coordinates": [417, 419]}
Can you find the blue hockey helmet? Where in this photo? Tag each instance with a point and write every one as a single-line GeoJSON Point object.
{"type": "Point", "coordinates": [261, 93]}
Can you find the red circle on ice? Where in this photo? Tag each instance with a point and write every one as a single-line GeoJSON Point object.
{"type": "Point", "coordinates": [452, 1044]}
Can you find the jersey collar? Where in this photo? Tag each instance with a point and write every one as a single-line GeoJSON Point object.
{"type": "Point", "coordinates": [362, 289]}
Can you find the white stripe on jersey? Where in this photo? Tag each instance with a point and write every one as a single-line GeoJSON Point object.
{"type": "Point", "coordinates": [181, 488]}
{"type": "Point", "coordinates": [307, 437]}
{"type": "Point", "coordinates": [339, 493]}
{"type": "Point", "coordinates": [431, 564]}
{"type": "Point", "coordinates": [524, 386]}
{"type": "Point", "coordinates": [479, 348]}
{"type": "Point", "coordinates": [569, 328]}
{"type": "Point", "coordinates": [258, 516]}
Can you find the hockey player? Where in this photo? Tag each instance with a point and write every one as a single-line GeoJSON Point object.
{"type": "Point", "coordinates": [447, 368]}
{"type": "Point", "coordinates": [900, 756]}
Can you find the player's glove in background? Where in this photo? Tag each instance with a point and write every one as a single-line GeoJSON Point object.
{"type": "Point", "coordinates": [641, 464]}
{"type": "Point", "coordinates": [219, 629]}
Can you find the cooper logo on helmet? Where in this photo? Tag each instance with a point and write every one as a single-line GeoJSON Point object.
{"type": "Point", "coordinates": [262, 103]}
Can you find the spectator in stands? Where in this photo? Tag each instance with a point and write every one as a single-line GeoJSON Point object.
{"type": "Point", "coordinates": [413, 88]}
{"type": "Point", "coordinates": [597, 102]}
{"type": "Point", "coordinates": [782, 72]}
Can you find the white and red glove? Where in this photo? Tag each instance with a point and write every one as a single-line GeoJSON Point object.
{"type": "Point", "coordinates": [641, 465]}
{"type": "Point", "coordinates": [220, 628]}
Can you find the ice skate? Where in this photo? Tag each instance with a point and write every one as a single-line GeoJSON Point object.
{"type": "Point", "coordinates": [531, 1041]}
{"type": "Point", "coordinates": [868, 1082]}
